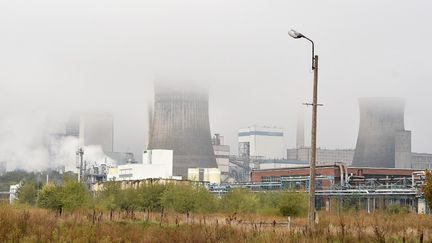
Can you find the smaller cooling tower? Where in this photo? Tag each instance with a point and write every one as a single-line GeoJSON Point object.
{"type": "Point", "coordinates": [381, 125]}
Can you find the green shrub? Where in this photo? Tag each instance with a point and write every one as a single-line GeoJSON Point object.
{"type": "Point", "coordinates": [179, 198]}
{"type": "Point", "coordinates": [397, 209]}
{"type": "Point", "coordinates": [70, 196]}
{"type": "Point", "coordinates": [292, 203]}
{"type": "Point", "coordinates": [109, 198]}
{"type": "Point", "coordinates": [205, 201]}
{"type": "Point", "coordinates": [150, 196]}
{"type": "Point", "coordinates": [239, 201]}
{"type": "Point", "coordinates": [74, 195]}
{"type": "Point", "coordinates": [49, 197]}
{"type": "Point", "coordinates": [27, 193]}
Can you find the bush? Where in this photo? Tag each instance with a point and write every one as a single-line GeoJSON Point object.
{"type": "Point", "coordinates": [284, 203]}
{"type": "Point", "coordinates": [179, 198]}
{"type": "Point", "coordinates": [70, 196]}
{"type": "Point", "coordinates": [397, 209]}
{"type": "Point", "coordinates": [74, 195]}
{"type": "Point", "coordinates": [239, 201]}
{"type": "Point", "coordinates": [292, 204]}
{"type": "Point", "coordinates": [49, 197]}
{"type": "Point", "coordinates": [205, 201]}
{"type": "Point", "coordinates": [27, 193]}
{"type": "Point", "coordinates": [109, 197]}
{"type": "Point", "coordinates": [150, 196]}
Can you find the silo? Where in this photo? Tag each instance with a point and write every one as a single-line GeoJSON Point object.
{"type": "Point", "coordinates": [381, 120]}
{"type": "Point", "coordinates": [181, 123]}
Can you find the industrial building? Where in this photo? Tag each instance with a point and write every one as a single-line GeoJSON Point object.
{"type": "Point", "coordinates": [371, 187]}
{"type": "Point", "coordinates": [421, 161]}
{"type": "Point", "coordinates": [156, 163]}
{"type": "Point", "coordinates": [222, 153]}
{"type": "Point", "coordinates": [210, 175]}
{"type": "Point", "coordinates": [259, 142]}
{"type": "Point", "coordinates": [276, 164]}
{"type": "Point", "coordinates": [323, 156]}
{"type": "Point", "coordinates": [180, 122]}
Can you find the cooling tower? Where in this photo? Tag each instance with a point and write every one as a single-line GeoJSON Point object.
{"type": "Point", "coordinates": [181, 123]}
{"type": "Point", "coordinates": [381, 122]}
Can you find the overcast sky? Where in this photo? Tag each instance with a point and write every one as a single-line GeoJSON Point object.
{"type": "Point", "coordinates": [104, 55]}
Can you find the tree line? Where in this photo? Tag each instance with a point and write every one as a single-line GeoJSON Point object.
{"type": "Point", "coordinates": [181, 198]}
{"type": "Point", "coordinates": [70, 195]}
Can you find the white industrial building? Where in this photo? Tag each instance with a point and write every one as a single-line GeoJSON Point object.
{"type": "Point", "coordinates": [13, 192]}
{"type": "Point", "coordinates": [257, 142]}
{"type": "Point", "coordinates": [157, 163]}
{"type": "Point", "coordinates": [211, 175]}
{"type": "Point", "coordinates": [222, 154]}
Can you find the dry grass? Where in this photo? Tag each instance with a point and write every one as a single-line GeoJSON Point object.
{"type": "Point", "coordinates": [19, 224]}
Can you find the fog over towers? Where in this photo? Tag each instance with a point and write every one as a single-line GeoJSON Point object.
{"type": "Point", "coordinates": [180, 122]}
{"type": "Point", "coordinates": [382, 139]}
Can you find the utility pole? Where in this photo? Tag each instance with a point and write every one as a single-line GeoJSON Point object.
{"type": "Point", "coordinates": [312, 214]}
{"type": "Point", "coordinates": [314, 104]}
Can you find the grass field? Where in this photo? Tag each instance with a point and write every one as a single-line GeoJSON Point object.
{"type": "Point", "coordinates": [25, 224]}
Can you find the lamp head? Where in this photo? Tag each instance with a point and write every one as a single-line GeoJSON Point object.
{"type": "Point", "coordinates": [294, 34]}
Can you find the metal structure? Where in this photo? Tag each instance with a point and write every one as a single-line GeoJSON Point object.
{"type": "Point", "coordinates": [181, 123]}
{"type": "Point", "coordinates": [405, 191]}
{"type": "Point", "coordinates": [314, 105]}
{"type": "Point", "coordinates": [381, 124]}
{"type": "Point", "coordinates": [80, 164]}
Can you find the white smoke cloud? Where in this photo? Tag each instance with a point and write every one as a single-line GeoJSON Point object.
{"type": "Point", "coordinates": [22, 142]}
{"type": "Point", "coordinates": [33, 142]}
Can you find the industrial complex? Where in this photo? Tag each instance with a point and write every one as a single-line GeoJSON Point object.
{"type": "Point", "coordinates": [381, 170]}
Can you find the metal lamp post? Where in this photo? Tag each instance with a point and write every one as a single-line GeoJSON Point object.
{"type": "Point", "coordinates": [314, 105]}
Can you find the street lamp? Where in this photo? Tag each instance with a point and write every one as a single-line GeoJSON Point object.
{"type": "Point", "coordinates": [296, 35]}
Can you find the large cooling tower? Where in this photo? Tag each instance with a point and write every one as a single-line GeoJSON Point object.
{"type": "Point", "coordinates": [381, 122]}
{"type": "Point", "coordinates": [181, 122]}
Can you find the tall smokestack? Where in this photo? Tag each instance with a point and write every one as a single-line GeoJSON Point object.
{"type": "Point", "coordinates": [300, 131]}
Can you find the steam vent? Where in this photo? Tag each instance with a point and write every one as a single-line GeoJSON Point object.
{"type": "Point", "coordinates": [181, 122]}
{"type": "Point", "coordinates": [382, 140]}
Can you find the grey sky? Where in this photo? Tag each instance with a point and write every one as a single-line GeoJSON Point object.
{"type": "Point", "coordinates": [104, 55]}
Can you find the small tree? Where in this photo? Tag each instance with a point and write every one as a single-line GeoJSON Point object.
{"type": "Point", "coordinates": [149, 197]}
{"type": "Point", "coordinates": [27, 193]}
{"type": "Point", "coordinates": [292, 203]}
{"type": "Point", "coordinates": [73, 195]}
{"type": "Point", "coordinates": [205, 202]}
{"type": "Point", "coordinates": [110, 197]}
{"type": "Point", "coordinates": [240, 201]}
{"type": "Point", "coordinates": [428, 188]}
{"type": "Point", "coordinates": [128, 201]}
{"type": "Point", "coordinates": [179, 198]}
{"type": "Point", "coordinates": [50, 197]}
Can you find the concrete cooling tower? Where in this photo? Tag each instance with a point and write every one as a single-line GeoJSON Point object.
{"type": "Point", "coordinates": [180, 122]}
{"type": "Point", "coordinates": [382, 139]}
